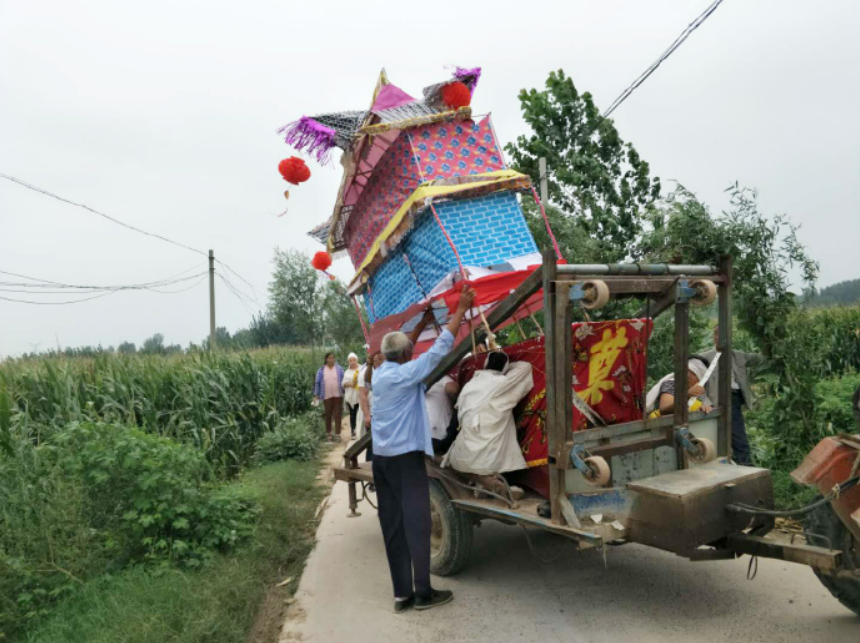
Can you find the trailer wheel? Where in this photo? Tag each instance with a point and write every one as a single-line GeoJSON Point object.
{"type": "Point", "coordinates": [707, 451]}
{"type": "Point", "coordinates": [450, 535]}
{"type": "Point", "coordinates": [597, 294]}
{"type": "Point", "coordinates": [823, 528]}
{"type": "Point", "coordinates": [706, 292]}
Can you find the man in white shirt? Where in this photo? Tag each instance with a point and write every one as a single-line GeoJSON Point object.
{"type": "Point", "coordinates": [487, 442]}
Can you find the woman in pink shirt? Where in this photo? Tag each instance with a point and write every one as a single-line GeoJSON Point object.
{"type": "Point", "coordinates": [328, 388]}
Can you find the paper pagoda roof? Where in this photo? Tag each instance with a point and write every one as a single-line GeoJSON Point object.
{"type": "Point", "coordinates": [364, 136]}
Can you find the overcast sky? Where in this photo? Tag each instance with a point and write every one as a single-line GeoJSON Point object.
{"type": "Point", "coordinates": [163, 114]}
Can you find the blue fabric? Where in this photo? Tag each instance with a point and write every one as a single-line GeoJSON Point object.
{"type": "Point", "coordinates": [400, 422]}
{"type": "Point", "coordinates": [319, 384]}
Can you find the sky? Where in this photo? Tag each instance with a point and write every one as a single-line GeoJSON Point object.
{"type": "Point", "coordinates": [163, 115]}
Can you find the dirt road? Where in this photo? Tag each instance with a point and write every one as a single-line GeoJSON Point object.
{"type": "Point", "coordinates": [505, 595]}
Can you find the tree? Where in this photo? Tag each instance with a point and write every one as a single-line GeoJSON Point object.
{"type": "Point", "coordinates": [295, 300]}
{"type": "Point", "coordinates": [154, 345]}
{"type": "Point", "coordinates": [764, 251]}
{"type": "Point", "coordinates": [593, 175]}
{"type": "Point", "coordinates": [126, 348]}
{"type": "Point", "coordinates": [305, 307]}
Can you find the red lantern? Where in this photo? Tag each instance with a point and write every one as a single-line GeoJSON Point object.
{"type": "Point", "coordinates": [321, 261]}
{"type": "Point", "coordinates": [294, 170]}
{"type": "Point", "coordinates": [456, 95]}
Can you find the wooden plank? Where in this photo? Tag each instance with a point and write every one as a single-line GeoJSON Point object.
{"type": "Point", "coordinates": [354, 449]}
{"type": "Point", "coordinates": [626, 428]}
{"type": "Point", "coordinates": [630, 285]}
{"type": "Point", "coordinates": [660, 305]}
{"type": "Point", "coordinates": [631, 446]}
{"type": "Point", "coordinates": [364, 473]}
{"type": "Point", "coordinates": [499, 314]}
{"type": "Point", "coordinates": [724, 368]}
{"type": "Point", "coordinates": [527, 515]}
{"type": "Point", "coordinates": [553, 403]}
{"type": "Point", "coordinates": [682, 349]}
{"type": "Point", "coordinates": [689, 483]}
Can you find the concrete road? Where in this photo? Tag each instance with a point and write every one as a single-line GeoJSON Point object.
{"type": "Point", "coordinates": [505, 594]}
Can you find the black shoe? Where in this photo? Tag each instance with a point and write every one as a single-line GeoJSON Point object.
{"type": "Point", "coordinates": [544, 510]}
{"type": "Point", "coordinates": [437, 597]}
{"type": "Point", "coordinates": [403, 604]}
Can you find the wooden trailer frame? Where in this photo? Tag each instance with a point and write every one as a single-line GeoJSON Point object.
{"type": "Point", "coordinates": [697, 497]}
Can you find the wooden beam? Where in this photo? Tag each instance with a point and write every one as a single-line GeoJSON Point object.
{"type": "Point", "coordinates": [724, 368]}
{"type": "Point", "coordinates": [682, 350]}
{"type": "Point", "coordinates": [660, 304]}
{"type": "Point", "coordinates": [499, 314]}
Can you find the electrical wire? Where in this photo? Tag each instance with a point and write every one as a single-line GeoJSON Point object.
{"type": "Point", "coordinates": [743, 508]}
{"type": "Point", "coordinates": [105, 292]}
{"type": "Point", "coordinates": [45, 283]}
{"type": "Point", "coordinates": [653, 66]}
{"type": "Point", "coordinates": [112, 219]}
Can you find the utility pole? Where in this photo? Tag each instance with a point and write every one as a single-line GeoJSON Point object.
{"type": "Point", "coordinates": [544, 196]}
{"type": "Point", "coordinates": [212, 345]}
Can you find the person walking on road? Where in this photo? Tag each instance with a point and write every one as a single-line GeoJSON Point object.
{"type": "Point", "coordinates": [327, 387]}
{"type": "Point", "coordinates": [350, 386]}
{"type": "Point", "coordinates": [401, 440]}
{"type": "Point", "coordinates": [742, 395]}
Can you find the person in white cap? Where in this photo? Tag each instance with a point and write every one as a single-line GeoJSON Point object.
{"type": "Point", "coordinates": [350, 387]}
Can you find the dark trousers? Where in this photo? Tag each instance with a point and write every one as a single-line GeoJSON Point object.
{"type": "Point", "coordinates": [740, 444]}
{"type": "Point", "coordinates": [353, 415]}
{"type": "Point", "coordinates": [333, 407]}
{"type": "Point", "coordinates": [403, 494]}
{"type": "Point", "coordinates": [441, 447]}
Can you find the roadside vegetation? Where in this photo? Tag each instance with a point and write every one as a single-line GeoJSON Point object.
{"type": "Point", "coordinates": [153, 498]}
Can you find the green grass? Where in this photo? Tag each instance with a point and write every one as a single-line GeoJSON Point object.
{"type": "Point", "coordinates": [217, 604]}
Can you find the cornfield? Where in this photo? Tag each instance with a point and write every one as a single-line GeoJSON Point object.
{"type": "Point", "coordinates": [221, 403]}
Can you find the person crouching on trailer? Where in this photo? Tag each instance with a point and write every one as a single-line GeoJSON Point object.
{"type": "Point", "coordinates": [661, 398]}
{"type": "Point", "coordinates": [486, 445]}
{"type": "Point", "coordinates": [401, 438]}
{"type": "Point", "coordinates": [440, 399]}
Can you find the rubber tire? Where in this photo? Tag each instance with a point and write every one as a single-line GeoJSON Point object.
{"type": "Point", "coordinates": [456, 546]}
{"type": "Point", "coordinates": [824, 522]}
{"type": "Point", "coordinates": [708, 451]}
{"type": "Point", "coordinates": [599, 296]}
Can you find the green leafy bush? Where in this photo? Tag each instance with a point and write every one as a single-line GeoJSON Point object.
{"type": "Point", "coordinates": [292, 439]}
{"type": "Point", "coordinates": [98, 497]}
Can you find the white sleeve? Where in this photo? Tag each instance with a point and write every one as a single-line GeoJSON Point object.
{"type": "Point", "coordinates": [518, 382]}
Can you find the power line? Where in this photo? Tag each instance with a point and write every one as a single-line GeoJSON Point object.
{"type": "Point", "coordinates": [102, 290]}
{"type": "Point", "coordinates": [101, 214]}
{"type": "Point", "coordinates": [47, 283]}
{"type": "Point", "coordinates": [653, 66]}
{"type": "Point", "coordinates": [112, 219]}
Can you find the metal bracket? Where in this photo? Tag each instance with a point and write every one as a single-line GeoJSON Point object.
{"type": "Point", "coordinates": [576, 459]}
{"type": "Point", "coordinates": [682, 437]}
{"type": "Point", "coordinates": [577, 293]}
{"type": "Point", "coordinates": [684, 292]}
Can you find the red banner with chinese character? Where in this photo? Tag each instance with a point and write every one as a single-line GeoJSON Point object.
{"type": "Point", "coordinates": [608, 373]}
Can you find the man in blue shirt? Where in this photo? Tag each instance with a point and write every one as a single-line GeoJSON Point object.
{"type": "Point", "coordinates": [401, 438]}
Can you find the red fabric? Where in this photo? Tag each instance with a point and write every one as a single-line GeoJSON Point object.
{"type": "Point", "coordinates": [609, 370]}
